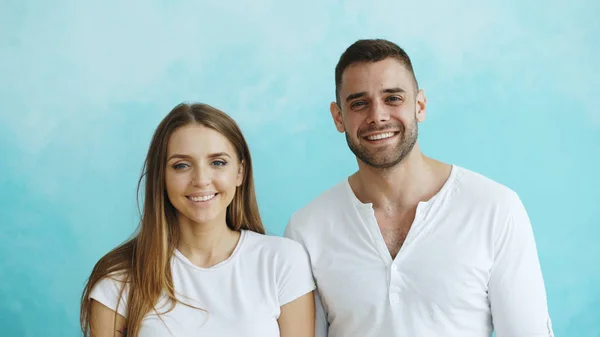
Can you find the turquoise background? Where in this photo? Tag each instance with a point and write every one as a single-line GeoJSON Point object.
{"type": "Point", "coordinates": [512, 89]}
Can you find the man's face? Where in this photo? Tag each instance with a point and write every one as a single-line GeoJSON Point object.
{"type": "Point", "coordinates": [379, 111]}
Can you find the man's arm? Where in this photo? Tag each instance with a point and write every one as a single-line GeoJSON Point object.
{"type": "Point", "coordinates": [516, 291]}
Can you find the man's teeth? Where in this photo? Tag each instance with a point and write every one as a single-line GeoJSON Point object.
{"type": "Point", "coordinates": [381, 136]}
{"type": "Point", "coordinates": [203, 198]}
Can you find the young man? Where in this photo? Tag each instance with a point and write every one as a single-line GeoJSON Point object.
{"type": "Point", "coordinates": [408, 245]}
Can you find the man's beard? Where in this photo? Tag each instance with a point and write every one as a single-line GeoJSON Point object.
{"type": "Point", "coordinates": [386, 158]}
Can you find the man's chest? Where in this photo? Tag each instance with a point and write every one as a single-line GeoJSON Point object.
{"type": "Point", "coordinates": [432, 273]}
{"type": "Point", "coordinates": [394, 228]}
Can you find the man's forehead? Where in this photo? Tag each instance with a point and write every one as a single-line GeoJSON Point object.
{"type": "Point", "coordinates": [365, 76]}
{"type": "Point", "coordinates": [381, 71]}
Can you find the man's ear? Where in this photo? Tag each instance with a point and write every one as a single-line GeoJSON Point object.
{"type": "Point", "coordinates": [421, 106]}
{"type": "Point", "coordinates": [336, 114]}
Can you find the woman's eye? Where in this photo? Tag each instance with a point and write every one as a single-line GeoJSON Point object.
{"type": "Point", "coordinates": [219, 163]}
{"type": "Point", "coordinates": [180, 166]}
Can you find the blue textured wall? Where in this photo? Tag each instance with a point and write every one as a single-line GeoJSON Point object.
{"type": "Point", "coordinates": [512, 91]}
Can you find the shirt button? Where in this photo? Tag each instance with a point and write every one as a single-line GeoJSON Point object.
{"type": "Point", "coordinates": [394, 298]}
{"type": "Point", "coordinates": [394, 268]}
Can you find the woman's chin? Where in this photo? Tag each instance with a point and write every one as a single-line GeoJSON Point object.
{"type": "Point", "coordinates": [196, 219]}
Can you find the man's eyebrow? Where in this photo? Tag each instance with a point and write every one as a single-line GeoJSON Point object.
{"type": "Point", "coordinates": [396, 90]}
{"type": "Point", "coordinates": [393, 91]}
{"type": "Point", "coordinates": [355, 95]}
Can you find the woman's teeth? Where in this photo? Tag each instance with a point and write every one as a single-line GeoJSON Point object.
{"type": "Point", "coordinates": [203, 198]}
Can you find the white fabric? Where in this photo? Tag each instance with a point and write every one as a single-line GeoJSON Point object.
{"type": "Point", "coordinates": [469, 265]}
{"type": "Point", "coordinates": [242, 294]}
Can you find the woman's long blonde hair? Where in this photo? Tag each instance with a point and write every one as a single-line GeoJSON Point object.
{"type": "Point", "coordinates": [143, 262]}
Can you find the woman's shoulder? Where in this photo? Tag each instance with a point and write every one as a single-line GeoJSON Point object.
{"type": "Point", "coordinates": [112, 291]}
{"type": "Point", "coordinates": [286, 260]}
{"type": "Point", "coordinates": [273, 244]}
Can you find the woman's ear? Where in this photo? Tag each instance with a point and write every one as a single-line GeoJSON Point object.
{"type": "Point", "coordinates": [240, 175]}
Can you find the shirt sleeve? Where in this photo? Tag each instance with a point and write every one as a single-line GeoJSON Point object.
{"type": "Point", "coordinates": [321, 322]}
{"type": "Point", "coordinates": [107, 292]}
{"type": "Point", "coordinates": [294, 277]}
{"type": "Point", "coordinates": [516, 290]}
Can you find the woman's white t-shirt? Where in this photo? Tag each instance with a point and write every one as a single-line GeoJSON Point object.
{"type": "Point", "coordinates": [241, 296]}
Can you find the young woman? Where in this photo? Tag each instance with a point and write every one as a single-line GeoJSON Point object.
{"type": "Point", "coordinates": [200, 264]}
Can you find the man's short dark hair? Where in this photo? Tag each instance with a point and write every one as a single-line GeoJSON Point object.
{"type": "Point", "coordinates": [370, 50]}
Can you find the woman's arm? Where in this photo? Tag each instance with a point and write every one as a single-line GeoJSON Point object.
{"type": "Point", "coordinates": [297, 318]}
{"type": "Point", "coordinates": [103, 321]}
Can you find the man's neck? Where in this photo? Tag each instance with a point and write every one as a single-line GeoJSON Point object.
{"type": "Point", "coordinates": [416, 178]}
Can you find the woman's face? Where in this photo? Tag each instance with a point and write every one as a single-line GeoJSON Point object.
{"type": "Point", "coordinates": [202, 174]}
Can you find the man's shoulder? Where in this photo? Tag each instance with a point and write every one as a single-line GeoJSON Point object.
{"type": "Point", "coordinates": [333, 196]}
{"type": "Point", "coordinates": [478, 188]}
{"type": "Point", "coordinates": [324, 206]}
